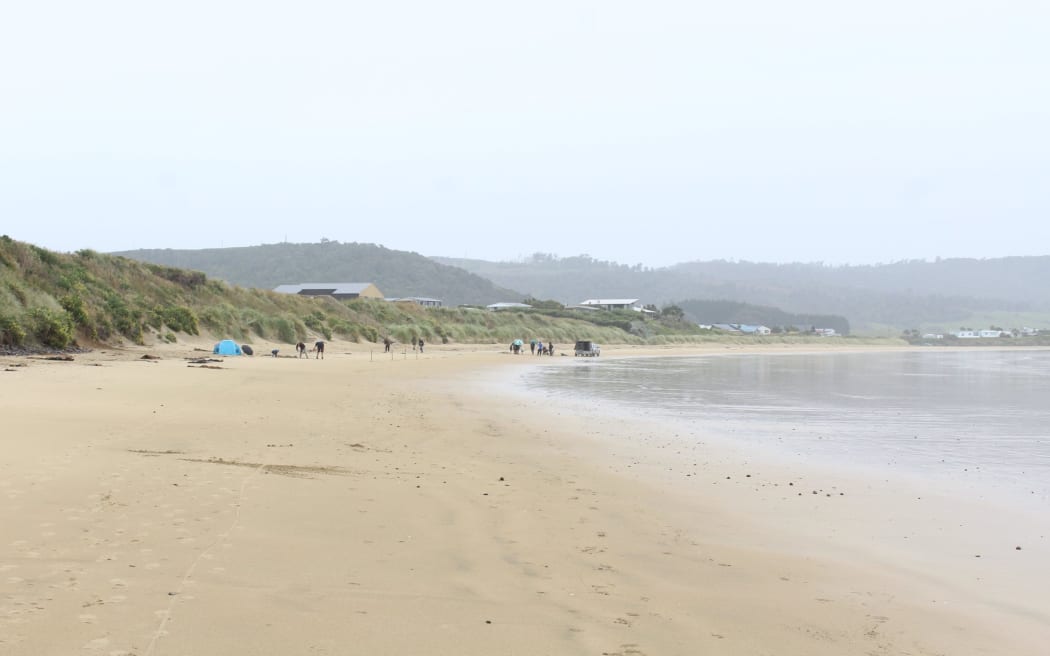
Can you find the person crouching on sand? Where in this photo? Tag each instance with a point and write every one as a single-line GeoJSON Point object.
{"type": "Point", "coordinates": [319, 348]}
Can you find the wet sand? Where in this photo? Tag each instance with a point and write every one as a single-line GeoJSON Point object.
{"type": "Point", "coordinates": [392, 506]}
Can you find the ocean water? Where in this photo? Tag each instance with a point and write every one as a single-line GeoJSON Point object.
{"type": "Point", "coordinates": [980, 419]}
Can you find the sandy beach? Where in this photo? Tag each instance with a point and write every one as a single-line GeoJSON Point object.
{"type": "Point", "coordinates": [394, 505]}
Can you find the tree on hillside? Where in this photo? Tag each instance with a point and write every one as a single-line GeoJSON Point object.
{"type": "Point", "coordinates": [672, 313]}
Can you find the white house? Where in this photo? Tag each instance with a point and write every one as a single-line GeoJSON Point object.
{"type": "Point", "coordinates": [613, 304]}
{"type": "Point", "coordinates": [985, 334]}
{"type": "Point", "coordinates": [418, 300]}
{"type": "Point", "coordinates": [508, 306]}
{"type": "Point", "coordinates": [966, 334]}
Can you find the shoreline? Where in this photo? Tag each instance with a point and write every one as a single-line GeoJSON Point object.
{"type": "Point", "coordinates": [280, 507]}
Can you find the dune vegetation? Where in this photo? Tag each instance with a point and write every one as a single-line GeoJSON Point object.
{"type": "Point", "coordinates": [54, 300]}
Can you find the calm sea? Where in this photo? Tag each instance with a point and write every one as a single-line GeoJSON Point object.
{"type": "Point", "coordinates": [979, 418]}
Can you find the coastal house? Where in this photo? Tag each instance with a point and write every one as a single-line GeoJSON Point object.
{"type": "Point", "coordinates": [418, 300]}
{"type": "Point", "coordinates": [986, 334]}
{"type": "Point", "coordinates": [966, 334]}
{"type": "Point", "coordinates": [612, 304]}
{"type": "Point", "coordinates": [339, 290]}
{"type": "Point", "coordinates": [747, 329]}
{"type": "Point", "coordinates": [508, 306]}
{"type": "Point", "coordinates": [825, 332]}
{"type": "Point", "coordinates": [754, 330]}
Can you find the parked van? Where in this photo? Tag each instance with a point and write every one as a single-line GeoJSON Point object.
{"type": "Point", "coordinates": [585, 348]}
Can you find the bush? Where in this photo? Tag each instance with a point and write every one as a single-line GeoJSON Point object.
{"type": "Point", "coordinates": [126, 321]}
{"type": "Point", "coordinates": [315, 321]}
{"type": "Point", "coordinates": [370, 333]}
{"type": "Point", "coordinates": [181, 319]}
{"type": "Point", "coordinates": [45, 256]}
{"type": "Point", "coordinates": [74, 305]}
{"type": "Point", "coordinates": [11, 331]}
{"type": "Point", "coordinates": [286, 330]}
{"type": "Point", "coordinates": [52, 328]}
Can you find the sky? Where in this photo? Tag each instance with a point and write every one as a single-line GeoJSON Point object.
{"type": "Point", "coordinates": [653, 133]}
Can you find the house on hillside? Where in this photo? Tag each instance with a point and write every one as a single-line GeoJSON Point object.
{"type": "Point", "coordinates": [338, 290]}
{"type": "Point", "coordinates": [825, 332]}
{"type": "Point", "coordinates": [508, 306]}
{"type": "Point", "coordinates": [755, 330]}
{"type": "Point", "coordinates": [612, 304]}
{"type": "Point", "coordinates": [747, 329]}
{"type": "Point", "coordinates": [418, 300]}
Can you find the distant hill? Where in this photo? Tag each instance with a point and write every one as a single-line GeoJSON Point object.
{"type": "Point", "coordinates": [880, 297]}
{"type": "Point", "coordinates": [54, 300]}
{"type": "Point", "coordinates": [395, 273]}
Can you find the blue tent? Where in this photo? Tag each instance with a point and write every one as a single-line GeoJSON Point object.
{"type": "Point", "coordinates": [227, 347]}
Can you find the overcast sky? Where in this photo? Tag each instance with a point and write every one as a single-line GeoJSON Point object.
{"type": "Point", "coordinates": [652, 132]}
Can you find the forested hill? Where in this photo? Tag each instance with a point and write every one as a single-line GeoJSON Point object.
{"type": "Point", "coordinates": [395, 273]}
{"type": "Point", "coordinates": [899, 295]}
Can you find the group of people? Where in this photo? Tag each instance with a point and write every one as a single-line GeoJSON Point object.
{"type": "Point", "coordinates": [536, 346]}
{"type": "Point", "coordinates": [387, 343]}
{"type": "Point", "coordinates": [300, 350]}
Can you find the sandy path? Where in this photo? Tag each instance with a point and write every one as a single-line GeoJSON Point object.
{"type": "Point", "coordinates": [285, 507]}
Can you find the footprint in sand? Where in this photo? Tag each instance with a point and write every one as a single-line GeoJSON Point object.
{"type": "Point", "coordinates": [98, 644]}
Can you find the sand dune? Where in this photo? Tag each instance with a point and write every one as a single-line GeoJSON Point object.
{"type": "Point", "coordinates": [369, 504]}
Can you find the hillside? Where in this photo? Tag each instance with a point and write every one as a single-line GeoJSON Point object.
{"type": "Point", "coordinates": [892, 296]}
{"type": "Point", "coordinates": [395, 273]}
{"type": "Point", "coordinates": [54, 301]}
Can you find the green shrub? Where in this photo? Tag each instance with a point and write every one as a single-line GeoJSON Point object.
{"type": "Point", "coordinates": [286, 330]}
{"type": "Point", "coordinates": [11, 331]}
{"type": "Point", "coordinates": [74, 305]}
{"type": "Point", "coordinates": [45, 256]}
{"type": "Point", "coordinates": [315, 321]}
{"type": "Point", "coordinates": [369, 333]}
{"type": "Point", "coordinates": [17, 291]}
{"type": "Point", "coordinates": [181, 319]}
{"type": "Point", "coordinates": [52, 328]}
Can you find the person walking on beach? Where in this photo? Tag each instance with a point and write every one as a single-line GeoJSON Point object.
{"type": "Point", "coordinates": [420, 344]}
{"type": "Point", "coordinates": [539, 348]}
{"type": "Point", "coordinates": [386, 344]}
{"type": "Point", "coordinates": [319, 347]}
{"type": "Point", "coordinates": [532, 345]}
{"type": "Point", "coordinates": [550, 348]}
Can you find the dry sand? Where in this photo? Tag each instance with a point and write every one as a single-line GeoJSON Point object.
{"type": "Point", "coordinates": [394, 506]}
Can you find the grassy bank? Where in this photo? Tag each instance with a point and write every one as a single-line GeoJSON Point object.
{"type": "Point", "coordinates": [54, 301]}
